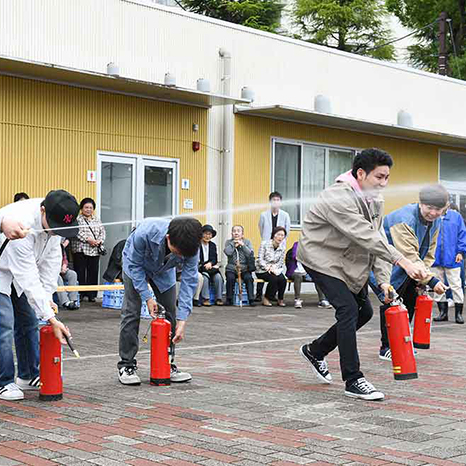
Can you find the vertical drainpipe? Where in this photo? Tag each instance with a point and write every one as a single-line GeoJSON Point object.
{"type": "Point", "coordinates": [227, 164]}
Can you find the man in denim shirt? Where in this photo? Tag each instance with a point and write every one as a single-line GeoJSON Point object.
{"type": "Point", "coordinates": [152, 253]}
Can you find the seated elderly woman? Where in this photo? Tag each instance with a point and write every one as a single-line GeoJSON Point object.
{"type": "Point", "coordinates": [240, 254]}
{"type": "Point", "coordinates": [209, 267]}
{"type": "Point", "coordinates": [270, 266]}
{"type": "Point", "coordinates": [295, 272]}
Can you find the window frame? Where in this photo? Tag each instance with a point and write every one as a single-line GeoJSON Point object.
{"type": "Point", "coordinates": [301, 143]}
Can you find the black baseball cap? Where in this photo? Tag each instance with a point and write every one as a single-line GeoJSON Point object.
{"type": "Point", "coordinates": [61, 212]}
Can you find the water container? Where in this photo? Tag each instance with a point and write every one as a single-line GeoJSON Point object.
{"type": "Point", "coordinates": [244, 296]}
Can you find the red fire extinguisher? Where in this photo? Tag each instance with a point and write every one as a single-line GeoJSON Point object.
{"type": "Point", "coordinates": [160, 349]}
{"type": "Point", "coordinates": [51, 374]}
{"type": "Point", "coordinates": [401, 346]}
{"type": "Point", "coordinates": [422, 321]}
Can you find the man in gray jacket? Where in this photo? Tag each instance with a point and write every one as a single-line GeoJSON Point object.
{"type": "Point", "coordinates": [342, 242]}
{"type": "Point", "coordinates": [270, 219]}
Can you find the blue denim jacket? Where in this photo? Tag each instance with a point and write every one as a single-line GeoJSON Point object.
{"type": "Point", "coordinates": [143, 258]}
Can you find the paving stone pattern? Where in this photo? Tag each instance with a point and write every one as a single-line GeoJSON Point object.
{"type": "Point", "coordinates": [253, 401]}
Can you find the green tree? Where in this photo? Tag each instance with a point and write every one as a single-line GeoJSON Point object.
{"type": "Point", "coordinates": [422, 16]}
{"type": "Point", "coordinates": [258, 14]}
{"type": "Point", "coordinates": [356, 26]}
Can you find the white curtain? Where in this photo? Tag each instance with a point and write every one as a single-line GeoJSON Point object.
{"type": "Point", "coordinates": [287, 178]}
{"type": "Point", "coordinates": [313, 174]}
{"type": "Point", "coordinates": [340, 161]}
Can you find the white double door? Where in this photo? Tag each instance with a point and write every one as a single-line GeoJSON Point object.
{"type": "Point", "coordinates": [131, 188]}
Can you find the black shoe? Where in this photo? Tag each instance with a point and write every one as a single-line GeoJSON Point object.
{"type": "Point", "coordinates": [228, 302]}
{"type": "Point", "coordinates": [443, 313]}
{"type": "Point", "coordinates": [459, 313]}
{"type": "Point", "coordinates": [320, 367]}
{"type": "Point", "coordinates": [71, 306]}
{"type": "Point", "coordinates": [258, 298]}
{"type": "Point", "coordinates": [385, 354]}
{"type": "Point", "coordinates": [196, 303]}
{"type": "Point", "coordinates": [252, 303]}
{"type": "Point", "coordinates": [361, 388]}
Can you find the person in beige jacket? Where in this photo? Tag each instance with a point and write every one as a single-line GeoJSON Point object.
{"type": "Point", "coordinates": [342, 242]}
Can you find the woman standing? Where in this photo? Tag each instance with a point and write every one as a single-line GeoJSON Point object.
{"type": "Point", "coordinates": [87, 247]}
{"type": "Point", "coordinates": [270, 266]}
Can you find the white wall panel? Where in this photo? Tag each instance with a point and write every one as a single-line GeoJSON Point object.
{"type": "Point", "coordinates": [146, 42]}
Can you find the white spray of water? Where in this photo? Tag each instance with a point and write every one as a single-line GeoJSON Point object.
{"type": "Point", "coordinates": [406, 190]}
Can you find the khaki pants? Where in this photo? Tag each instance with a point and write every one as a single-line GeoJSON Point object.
{"type": "Point", "coordinates": [454, 280]}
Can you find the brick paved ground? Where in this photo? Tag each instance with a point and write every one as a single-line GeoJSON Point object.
{"type": "Point", "coordinates": [249, 404]}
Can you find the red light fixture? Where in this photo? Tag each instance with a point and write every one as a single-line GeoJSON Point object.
{"type": "Point", "coordinates": [196, 146]}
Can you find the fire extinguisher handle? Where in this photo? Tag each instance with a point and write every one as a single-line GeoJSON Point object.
{"type": "Point", "coordinates": [392, 295]}
{"type": "Point", "coordinates": [161, 311]}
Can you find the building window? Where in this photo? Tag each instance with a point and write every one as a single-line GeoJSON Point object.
{"type": "Point", "coordinates": [301, 171]}
{"type": "Point", "coordinates": [452, 176]}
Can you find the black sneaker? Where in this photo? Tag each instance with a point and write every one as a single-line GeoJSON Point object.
{"type": "Point", "coordinates": [385, 354]}
{"type": "Point", "coordinates": [361, 388]}
{"type": "Point", "coordinates": [319, 367]}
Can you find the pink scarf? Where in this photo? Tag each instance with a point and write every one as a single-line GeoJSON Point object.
{"type": "Point", "coordinates": [349, 178]}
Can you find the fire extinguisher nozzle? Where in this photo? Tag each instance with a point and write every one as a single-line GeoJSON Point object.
{"type": "Point", "coordinates": [73, 350]}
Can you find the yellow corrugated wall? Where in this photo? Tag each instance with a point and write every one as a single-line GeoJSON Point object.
{"type": "Point", "coordinates": [50, 135]}
{"type": "Point", "coordinates": [415, 163]}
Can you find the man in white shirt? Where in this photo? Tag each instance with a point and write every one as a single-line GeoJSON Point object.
{"type": "Point", "coordinates": [29, 269]}
{"type": "Point", "coordinates": [274, 217]}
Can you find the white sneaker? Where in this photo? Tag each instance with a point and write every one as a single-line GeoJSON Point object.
{"type": "Point", "coordinates": [11, 392]}
{"type": "Point", "coordinates": [298, 303]}
{"type": "Point", "coordinates": [32, 384]}
{"type": "Point", "coordinates": [176, 376]}
{"type": "Point", "coordinates": [128, 376]}
{"type": "Point", "coordinates": [324, 304]}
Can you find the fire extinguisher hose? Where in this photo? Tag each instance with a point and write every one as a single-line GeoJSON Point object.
{"type": "Point", "coordinates": [72, 348]}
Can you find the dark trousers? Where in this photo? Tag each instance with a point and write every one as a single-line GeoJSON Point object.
{"type": "Point", "coordinates": [131, 318]}
{"type": "Point", "coordinates": [259, 290]}
{"type": "Point", "coordinates": [87, 268]}
{"type": "Point", "coordinates": [274, 283]}
{"type": "Point", "coordinates": [246, 277]}
{"type": "Point", "coordinates": [409, 294]}
{"type": "Point", "coordinates": [352, 311]}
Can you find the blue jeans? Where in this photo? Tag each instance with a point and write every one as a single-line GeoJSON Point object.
{"type": "Point", "coordinates": [217, 281]}
{"type": "Point", "coordinates": [18, 321]}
